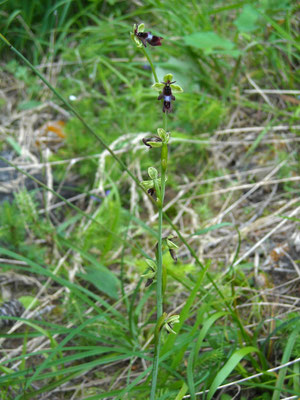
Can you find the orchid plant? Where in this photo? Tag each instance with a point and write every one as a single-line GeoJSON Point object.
{"type": "Point", "coordinates": [155, 186]}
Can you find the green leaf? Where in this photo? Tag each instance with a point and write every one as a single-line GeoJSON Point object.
{"type": "Point", "coordinates": [285, 358]}
{"type": "Point", "coordinates": [208, 42]}
{"type": "Point", "coordinates": [27, 300]}
{"type": "Point", "coordinates": [182, 392]}
{"type": "Point", "coordinates": [28, 105]}
{"type": "Point", "coordinates": [196, 348]}
{"type": "Point", "coordinates": [247, 20]}
{"type": "Point", "coordinates": [185, 312]}
{"type": "Point", "coordinates": [99, 275]}
{"type": "Point", "coordinates": [15, 145]}
{"type": "Point", "coordinates": [211, 228]}
{"type": "Point", "coordinates": [228, 368]}
{"type": "Point", "coordinates": [103, 280]}
{"type": "Point", "coordinates": [206, 327]}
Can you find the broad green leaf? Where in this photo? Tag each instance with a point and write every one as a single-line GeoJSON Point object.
{"type": "Point", "coordinates": [247, 21]}
{"type": "Point", "coordinates": [84, 294]}
{"type": "Point", "coordinates": [103, 280]}
{"type": "Point", "coordinates": [98, 274]}
{"type": "Point", "coordinates": [208, 42]}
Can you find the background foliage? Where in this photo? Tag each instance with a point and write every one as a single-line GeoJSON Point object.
{"type": "Point", "coordinates": [232, 191]}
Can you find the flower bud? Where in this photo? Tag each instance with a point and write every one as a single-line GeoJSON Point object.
{"type": "Point", "coordinates": [153, 141]}
{"type": "Point", "coordinates": [169, 322]}
{"type": "Point", "coordinates": [152, 172]}
{"type": "Point", "coordinates": [164, 136]}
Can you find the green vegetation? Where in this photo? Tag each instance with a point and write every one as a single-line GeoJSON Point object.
{"type": "Point", "coordinates": [76, 229]}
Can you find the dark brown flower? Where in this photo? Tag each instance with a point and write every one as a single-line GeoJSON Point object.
{"type": "Point", "coordinates": [147, 37]}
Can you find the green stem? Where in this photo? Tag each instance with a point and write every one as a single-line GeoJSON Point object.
{"type": "Point", "coordinates": [159, 272]}
{"type": "Point", "coordinates": [155, 367]}
{"type": "Point", "coordinates": [151, 64]}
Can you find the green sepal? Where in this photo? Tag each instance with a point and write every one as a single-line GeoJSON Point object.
{"type": "Point", "coordinates": [151, 271]}
{"type": "Point", "coordinates": [151, 264]}
{"type": "Point", "coordinates": [158, 86]}
{"type": "Point", "coordinates": [155, 144]}
{"type": "Point", "coordinates": [174, 319]}
{"type": "Point", "coordinates": [150, 183]}
{"type": "Point", "coordinates": [147, 184]}
{"type": "Point", "coordinates": [176, 88]}
{"type": "Point", "coordinates": [138, 42]}
{"type": "Point", "coordinates": [141, 28]}
{"type": "Point", "coordinates": [171, 245]}
{"type": "Point", "coordinates": [149, 274]}
{"type": "Point", "coordinates": [168, 77]}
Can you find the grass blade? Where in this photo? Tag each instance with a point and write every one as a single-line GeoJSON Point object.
{"type": "Point", "coordinates": [228, 368]}
{"type": "Point", "coordinates": [285, 358]}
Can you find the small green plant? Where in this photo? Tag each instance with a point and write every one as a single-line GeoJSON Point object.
{"type": "Point", "coordinates": [17, 218]}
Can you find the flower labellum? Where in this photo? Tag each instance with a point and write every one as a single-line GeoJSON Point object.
{"type": "Point", "coordinates": [167, 96]}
